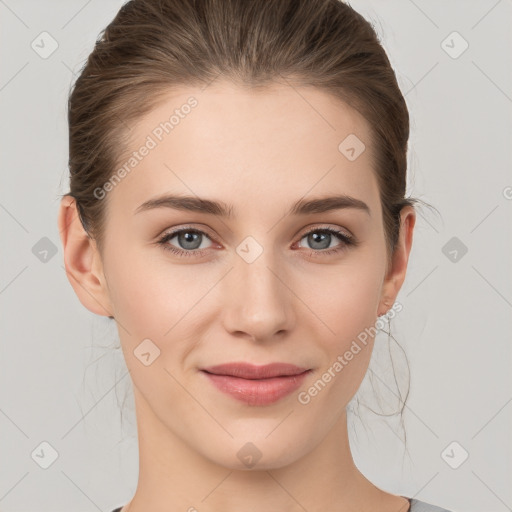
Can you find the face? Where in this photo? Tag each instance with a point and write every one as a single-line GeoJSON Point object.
{"type": "Point", "coordinates": [268, 280]}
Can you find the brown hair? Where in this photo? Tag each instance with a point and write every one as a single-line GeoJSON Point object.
{"type": "Point", "coordinates": [154, 45]}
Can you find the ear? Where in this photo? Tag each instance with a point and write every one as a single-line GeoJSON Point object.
{"type": "Point", "coordinates": [82, 260]}
{"type": "Point", "coordinates": [397, 269]}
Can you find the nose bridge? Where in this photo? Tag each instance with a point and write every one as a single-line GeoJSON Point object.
{"type": "Point", "coordinates": [258, 303]}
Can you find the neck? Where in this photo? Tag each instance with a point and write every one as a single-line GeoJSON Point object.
{"type": "Point", "coordinates": [172, 476]}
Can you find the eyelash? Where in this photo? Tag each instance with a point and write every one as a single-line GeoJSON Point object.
{"type": "Point", "coordinates": [347, 241]}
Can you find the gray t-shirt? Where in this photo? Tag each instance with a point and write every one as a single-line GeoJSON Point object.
{"type": "Point", "coordinates": [421, 506]}
{"type": "Point", "coordinates": [416, 506]}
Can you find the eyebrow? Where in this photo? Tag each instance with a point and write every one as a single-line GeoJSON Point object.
{"type": "Point", "coordinates": [301, 207]}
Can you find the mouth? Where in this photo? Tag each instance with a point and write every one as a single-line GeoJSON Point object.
{"type": "Point", "coordinates": [256, 385]}
{"type": "Point", "coordinates": [250, 371]}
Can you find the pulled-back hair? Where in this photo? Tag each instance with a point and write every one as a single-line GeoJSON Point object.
{"type": "Point", "coordinates": [152, 46]}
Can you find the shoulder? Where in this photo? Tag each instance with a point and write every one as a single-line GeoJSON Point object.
{"type": "Point", "coordinates": [422, 506]}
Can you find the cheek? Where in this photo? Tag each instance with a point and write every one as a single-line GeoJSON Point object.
{"type": "Point", "coordinates": [137, 299]}
{"type": "Point", "coordinates": [350, 315]}
{"type": "Point", "coordinates": [348, 307]}
{"type": "Point", "coordinates": [166, 303]}
{"type": "Point", "coordinates": [151, 301]}
{"type": "Point", "coordinates": [149, 295]}
{"type": "Point", "coordinates": [348, 299]}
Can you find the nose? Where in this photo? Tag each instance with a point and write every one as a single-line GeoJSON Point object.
{"type": "Point", "coordinates": [258, 301]}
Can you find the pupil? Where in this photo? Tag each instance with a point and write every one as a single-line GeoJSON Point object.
{"type": "Point", "coordinates": [189, 238]}
{"type": "Point", "coordinates": [317, 237]}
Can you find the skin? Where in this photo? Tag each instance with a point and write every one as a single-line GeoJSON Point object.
{"type": "Point", "coordinates": [259, 151]}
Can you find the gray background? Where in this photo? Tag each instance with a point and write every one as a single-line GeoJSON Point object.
{"type": "Point", "coordinates": [62, 377]}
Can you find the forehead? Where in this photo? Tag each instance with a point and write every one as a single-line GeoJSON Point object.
{"type": "Point", "coordinates": [238, 144]}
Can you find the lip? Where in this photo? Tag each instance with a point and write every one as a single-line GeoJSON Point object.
{"type": "Point", "coordinates": [256, 385]}
{"type": "Point", "coordinates": [252, 371]}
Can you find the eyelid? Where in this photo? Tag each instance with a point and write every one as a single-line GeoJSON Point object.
{"type": "Point", "coordinates": [328, 227]}
{"type": "Point", "coordinates": [175, 231]}
{"type": "Point", "coordinates": [312, 228]}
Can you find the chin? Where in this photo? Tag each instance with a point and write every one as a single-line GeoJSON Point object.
{"type": "Point", "coordinates": [257, 452]}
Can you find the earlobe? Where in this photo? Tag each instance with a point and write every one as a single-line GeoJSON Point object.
{"type": "Point", "coordinates": [384, 306]}
{"type": "Point", "coordinates": [82, 260]}
{"type": "Point", "coordinates": [398, 268]}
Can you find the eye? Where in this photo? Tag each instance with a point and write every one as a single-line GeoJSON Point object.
{"type": "Point", "coordinates": [190, 242]}
{"type": "Point", "coordinates": [320, 240]}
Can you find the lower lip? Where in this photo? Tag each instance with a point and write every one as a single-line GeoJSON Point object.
{"type": "Point", "coordinates": [257, 392]}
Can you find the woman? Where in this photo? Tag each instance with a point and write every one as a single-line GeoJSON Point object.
{"type": "Point", "coordinates": [237, 205]}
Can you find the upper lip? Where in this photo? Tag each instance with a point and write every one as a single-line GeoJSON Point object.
{"type": "Point", "coordinates": [251, 371]}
